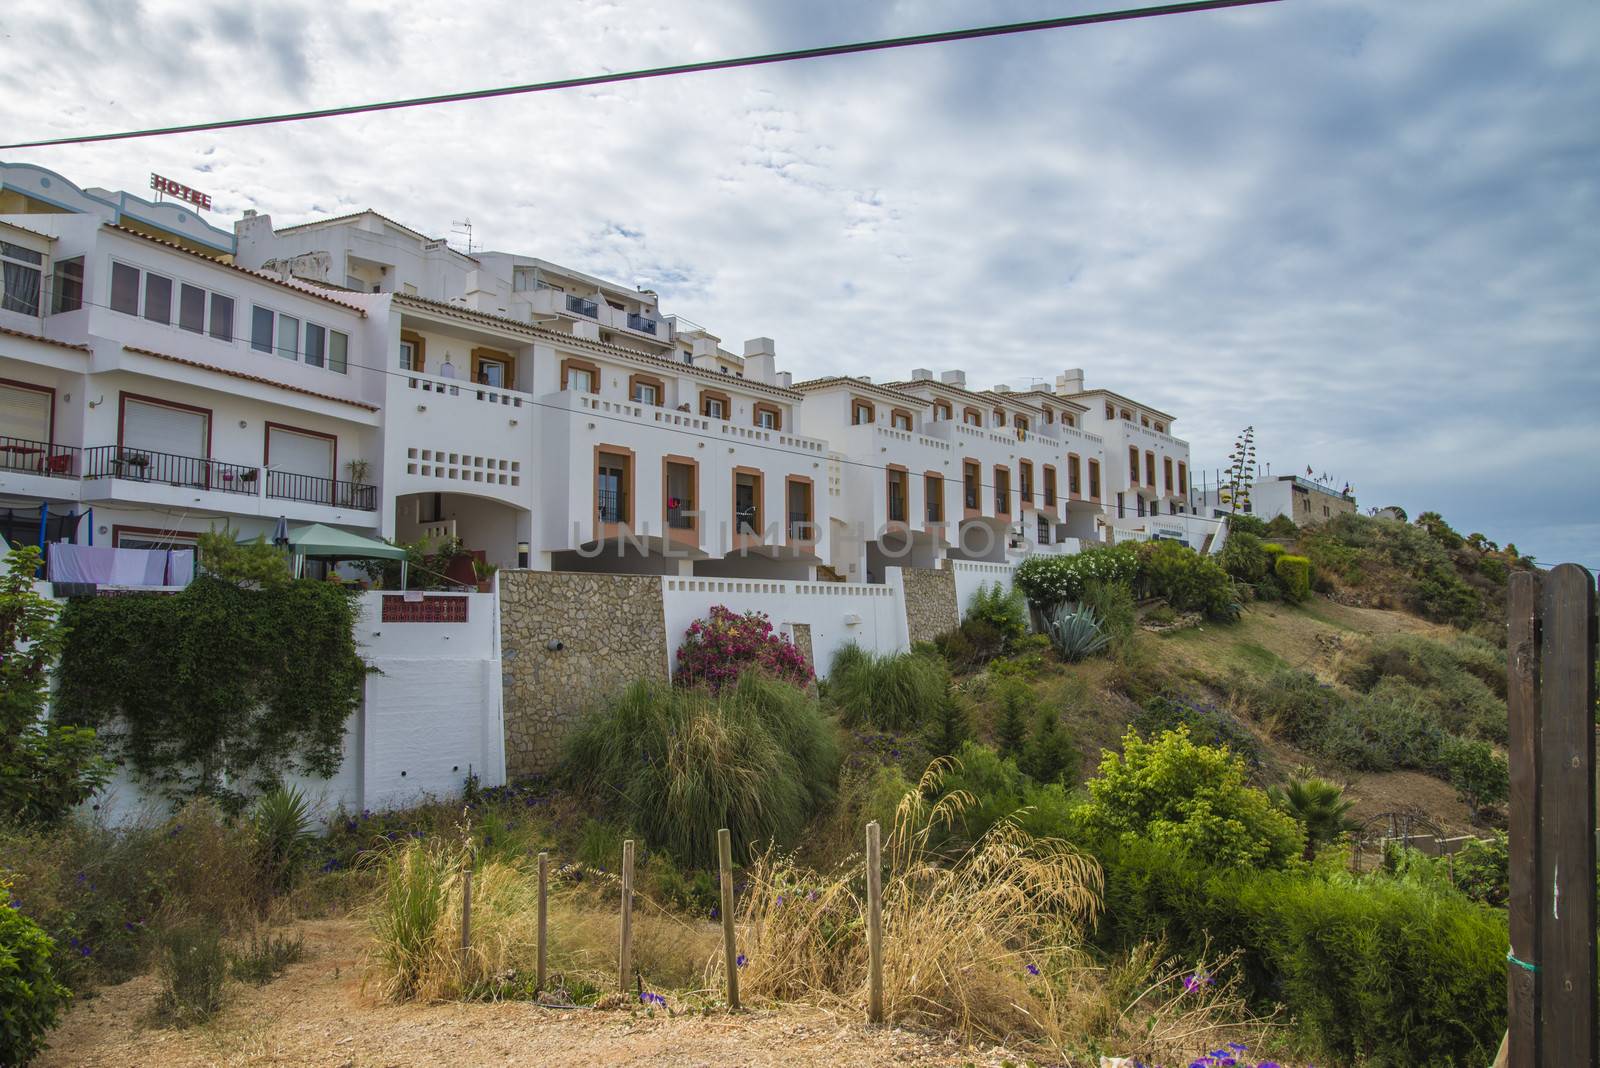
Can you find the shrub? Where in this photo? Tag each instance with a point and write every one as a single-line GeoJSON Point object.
{"type": "Point", "coordinates": [758, 758]}
{"type": "Point", "coordinates": [1294, 572]}
{"type": "Point", "coordinates": [1112, 604]}
{"type": "Point", "coordinates": [282, 825]}
{"type": "Point", "coordinates": [1384, 732]}
{"type": "Point", "coordinates": [1376, 971]}
{"type": "Point", "coordinates": [971, 645]}
{"type": "Point", "coordinates": [193, 969]}
{"type": "Point", "coordinates": [1462, 682]}
{"type": "Point", "coordinates": [1049, 580]}
{"type": "Point", "coordinates": [1000, 607]}
{"type": "Point", "coordinates": [266, 957]}
{"type": "Point", "coordinates": [1017, 704]}
{"type": "Point", "coordinates": [1243, 558]}
{"type": "Point", "coordinates": [1479, 774]}
{"type": "Point", "coordinates": [1442, 597]}
{"type": "Point", "coordinates": [31, 1000]}
{"type": "Point", "coordinates": [45, 768]}
{"type": "Point", "coordinates": [1075, 632]}
{"type": "Point", "coordinates": [1207, 725]}
{"type": "Point", "coordinates": [1191, 797]}
{"type": "Point", "coordinates": [893, 691]}
{"type": "Point", "coordinates": [1189, 581]}
{"type": "Point", "coordinates": [1049, 755]}
{"type": "Point", "coordinates": [1252, 525]}
{"type": "Point", "coordinates": [1481, 869]}
{"type": "Point", "coordinates": [1281, 526]}
{"type": "Point", "coordinates": [951, 726]}
{"type": "Point", "coordinates": [718, 650]}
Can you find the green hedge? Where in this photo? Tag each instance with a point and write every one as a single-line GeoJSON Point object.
{"type": "Point", "coordinates": [1375, 970]}
{"type": "Point", "coordinates": [1295, 574]}
{"type": "Point", "coordinates": [31, 1000]}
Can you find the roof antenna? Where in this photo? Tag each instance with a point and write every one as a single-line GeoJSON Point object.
{"type": "Point", "coordinates": [460, 226]}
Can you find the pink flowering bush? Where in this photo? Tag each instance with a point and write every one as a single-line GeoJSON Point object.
{"type": "Point", "coordinates": [718, 650]}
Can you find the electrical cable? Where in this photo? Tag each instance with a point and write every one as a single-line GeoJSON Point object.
{"type": "Point", "coordinates": [794, 55]}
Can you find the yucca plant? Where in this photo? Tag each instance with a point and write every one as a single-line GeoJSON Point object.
{"type": "Point", "coordinates": [1075, 632]}
{"type": "Point", "coordinates": [282, 824]}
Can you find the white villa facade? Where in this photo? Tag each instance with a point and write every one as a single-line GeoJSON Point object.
{"type": "Point", "coordinates": [168, 377]}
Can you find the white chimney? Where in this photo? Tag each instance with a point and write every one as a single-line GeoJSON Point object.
{"type": "Point", "coordinates": [760, 359]}
{"type": "Point", "coordinates": [1070, 382]}
{"type": "Point", "coordinates": [954, 378]}
{"type": "Point", "coordinates": [921, 374]}
{"type": "Point", "coordinates": [864, 378]}
{"type": "Point", "coordinates": [785, 379]}
{"type": "Point", "coordinates": [1001, 388]}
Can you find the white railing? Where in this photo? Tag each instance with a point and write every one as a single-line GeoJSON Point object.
{"type": "Point", "coordinates": [778, 588]}
{"type": "Point", "coordinates": [455, 387]}
{"type": "Point", "coordinates": [652, 415]}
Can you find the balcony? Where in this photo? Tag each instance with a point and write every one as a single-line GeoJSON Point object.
{"type": "Point", "coordinates": [641, 324]}
{"type": "Point", "coordinates": [801, 527]}
{"type": "Point", "coordinates": [169, 469]}
{"type": "Point", "coordinates": [681, 515]}
{"type": "Point", "coordinates": [611, 504]}
{"type": "Point", "coordinates": [579, 306]}
{"type": "Point", "coordinates": [311, 489]}
{"type": "Point", "coordinates": [38, 457]}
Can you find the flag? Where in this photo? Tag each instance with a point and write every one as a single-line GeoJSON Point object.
{"type": "Point", "coordinates": [1308, 470]}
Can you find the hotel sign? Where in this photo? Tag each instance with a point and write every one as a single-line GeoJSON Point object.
{"type": "Point", "coordinates": [181, 191]}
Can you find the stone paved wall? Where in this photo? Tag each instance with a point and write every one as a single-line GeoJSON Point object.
{"type": "Point", "coordinates": [802, 642]}
{"type": "Point", "coordinates": [612, 631]}
{"type": "Point", "coordinates": [931, 607]}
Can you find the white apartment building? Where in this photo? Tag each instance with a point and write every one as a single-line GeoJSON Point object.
{"type": "Point", "coordinates": [1303, 500]}
{"type": "Point", "coordinates": [174, 377]}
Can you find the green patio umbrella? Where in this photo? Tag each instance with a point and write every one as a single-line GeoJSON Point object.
{"type": "Point", "coordinates": [331, 543]}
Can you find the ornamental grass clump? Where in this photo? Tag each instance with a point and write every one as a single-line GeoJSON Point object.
{"type": "Point", "coordinates": [676, 764]}
{"type": "Point", "coordinates": [892, 692]}
{"type": "Point", "coordinates": [980, 945]}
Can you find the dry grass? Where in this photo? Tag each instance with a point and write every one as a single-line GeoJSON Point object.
{"type": "Point", "coordinates": [977, 946]}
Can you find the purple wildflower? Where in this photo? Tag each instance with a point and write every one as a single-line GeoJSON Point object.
{"type": "Point", "coordinates": [739, 961]}
{"type": "Point", "coordinates": [1033, 969]}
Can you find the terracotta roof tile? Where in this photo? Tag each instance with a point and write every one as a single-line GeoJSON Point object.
{"type": "Point", "coordinates": [46, 340]}
{"type": "Point", "coordinates": [250, 377]}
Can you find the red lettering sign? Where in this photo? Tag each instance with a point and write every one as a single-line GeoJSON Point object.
{"type": "Point", "coordinates": [181, 191]}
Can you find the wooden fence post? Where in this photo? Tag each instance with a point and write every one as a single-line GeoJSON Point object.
{"type": "Point", "coordinates": [874, 925]}
{"type": "Point", "coordinates": [544, 912]}
{"type": "Point", "coordinates": [1566, 991]}
{"type": "Point", "coordinates": [466, 917]}
{"type": "Point", "coordinates": [625, 953]}
{"type": "Point", "coordinates": [1522, 701]}
{"type": "Point", "coordinates": [730, 950]}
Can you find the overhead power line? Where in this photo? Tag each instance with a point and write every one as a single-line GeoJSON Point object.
{"type": "Point", "coordinates": [657, 72]}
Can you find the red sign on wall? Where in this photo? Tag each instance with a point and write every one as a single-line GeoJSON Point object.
{"type": "Point", "coordinates": [181, 191]}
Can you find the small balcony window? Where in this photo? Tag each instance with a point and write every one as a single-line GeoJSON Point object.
{"type": "Point", "coordinates": [933, 493]}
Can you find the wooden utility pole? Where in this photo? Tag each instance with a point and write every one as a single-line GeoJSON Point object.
{"type": "Point", "coordinates": [544, 913]}
{"type": "Point", "coordinates": [730, 949]}
{"type": "Point", "coordinates": [874, 925]}
{"type": "Point", "coordinates": [625, 951]}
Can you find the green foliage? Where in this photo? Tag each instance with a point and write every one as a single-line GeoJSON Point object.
{"type": "Point", "coordinates": [1112, 604]}
{"type": "Point", "coordinates": [1189, 581]}
{"type": "Point", "coordinates": [1244, 558]}
{"type": "Point", "coordinates": [1482, 869]}
{"type": "Point", "coordinates": [1049, 580]}
{"type": "Point", "coordinates": [282, 825]}
{"type": "Point", "coordinates": [1479, 774]}
{"type": "Point", "coordinates": [1017, 704]}
{"type": "Point", "coordinates": [1462, 682]}
{"type": "Point", "coordinates": [1000, 607]}
{"type": "Point", "coordinates": [216, 689]}
{"type": "Point", "coordinates": [1294, 573]}
{"type": "Point", "coordinates": [45, 767]}
{"type": "Point", "coordinates": [970, 645]}
{"type": "Point", "coordinates": [253, 563]}
{"type": "Point", "coordinates": [1282, 526]}
{"type": "Point", "coordinates": [31, 1000]}
{"type": "Point", "coordinates": [266, 957]}
{"type": "Point", "coordinates": [1000, 790]}
{"type": "Point", "coordinates": [695, 893]}
{"type": "Point", "coordinates": [1075, 632]}
{"type": "Point", "coordinates": [893, 691]}
{"type": "Point", "coordinates": [1426, 567]}
{"type": "Point", "coordinates": [1242, 523]}
{"type": "Point", "coordinates": [193, 969]}
{"type": "Point", "coordinates": [1049, 755]}
{"type": "Point", "coordinates": [1439, 530]}
{"type": "Point", "coordinates": [951, 726]}
{"type": "Point", "coordinates": [1444, 598]}
{"type": "Point", "coordinates": [1383, 732]}
{"type": "Point", "coordinates": [1190, 797]}
{"type": "Point", "coordinates": [1206, 724]}
{"type": "Point", "coordinates": [427, 562]}
{"type": "Point", "coordinates": [1377, 972]}
{"type": "Point", "coordinates": [718, 649]}
{"type": "Point", "coordinates": [757, 758]}
{"type": "Point", "coordinates": [1317, 805]}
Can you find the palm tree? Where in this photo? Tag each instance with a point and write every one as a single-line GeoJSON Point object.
{"type": "Point", "coordinates": [1320, 806]}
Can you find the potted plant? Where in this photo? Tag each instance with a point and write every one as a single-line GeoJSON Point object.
{"type": "Point", "coordinates": [359, 469]}
{"type": "Point", "coordinates": [485, 572]}
{"type": "Point", "coordinates": [249, 476]}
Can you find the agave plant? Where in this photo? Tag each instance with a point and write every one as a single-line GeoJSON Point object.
{"type": "Point", "coordinates": [1075, 632]}
{"type": "Point", "coordinates": [282, 823]}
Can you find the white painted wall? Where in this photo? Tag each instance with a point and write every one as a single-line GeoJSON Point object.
{"type": "Point", "coordinates": [839, 613]}
{"type": "Point", "coordinates": [972, 575]}
{"type": "Point", "coordinates": [431, 712]}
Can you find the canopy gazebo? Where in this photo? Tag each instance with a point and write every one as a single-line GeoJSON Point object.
{"type": "Point", "coordinates": [331, 543]}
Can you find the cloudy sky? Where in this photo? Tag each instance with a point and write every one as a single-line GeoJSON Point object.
{"type": "Point", "coordinates": [1371, 229]}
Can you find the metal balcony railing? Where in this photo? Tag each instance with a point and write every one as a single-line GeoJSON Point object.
{"type": "Point", "coordinates": [935, 514]}
{"type": "Point", "coordinates": [312, 489]}
{"type": "Point", "coordinates": [972, 497]}
{"type": "Point", "coordinates": [744, 520]}
{"type": "Point", "coordinates": [145, 465]}
{"type": "Point", "coordinates": [38, 457]}
{"type": "Point", "coordinates": [611, 503]}
{"type": "Point", "coordinates": [640, 323]}
{"type": "Point", "coordinates": [579, 306]}
{"type": "Point", "coordinates": [897, 510]}
{"type": "Point", "coordinates": [801, 527]}
{"type": "Point", "coordinates": [680, 517]}
{"type": "Point", "coordinates": [1002, 505]}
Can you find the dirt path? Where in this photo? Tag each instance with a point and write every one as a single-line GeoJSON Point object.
{"type": "Point", "coordinates": [317, 1015]}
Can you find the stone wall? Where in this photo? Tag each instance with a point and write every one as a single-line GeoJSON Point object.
{"type": "Point", "coordinates": [931, 607]}
{"type": "Point", "coordinates": [612, 632]}
{"type": "Point", "coordinates": [802, 642]}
